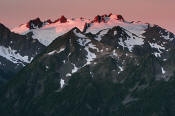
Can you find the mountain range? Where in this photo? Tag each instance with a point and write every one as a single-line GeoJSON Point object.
{"type": "Point", "coordinates": [80, 67]}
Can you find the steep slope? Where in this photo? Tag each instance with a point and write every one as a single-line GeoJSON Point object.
{"type": "Point", "coordinates": [104, 74]}
{"type": "Point", "coordinates": [15, 52]}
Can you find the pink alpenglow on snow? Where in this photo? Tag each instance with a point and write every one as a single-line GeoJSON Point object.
{"type": "Point", "coordinates": [160, 12]}
{"type": "Point", "coordinates": [47, 32]}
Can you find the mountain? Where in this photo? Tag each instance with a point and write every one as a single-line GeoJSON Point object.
{"type": "Point", "coordinates": [47, 31]}
{"type": "Point", "coordinates": [15, 52]}
{"type": "Point", "coordinates": [114, 68]}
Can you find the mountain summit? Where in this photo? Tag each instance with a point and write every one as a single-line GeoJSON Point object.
{"type": "Point", "coordinates": [15, 52]}
{"type": "Point", "coordinates": [101, 67]}
{"type": "Point", "coordinates": [46, 32]}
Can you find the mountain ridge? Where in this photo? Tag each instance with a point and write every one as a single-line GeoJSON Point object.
{"type": "Point", "coordinates": [15, 52]}
{"type": "Point", "coordinates": [78, 73]}
{"type": "Point", "coordinates": [116, 71]}
{"type": "Point", "coordinates": [49, 31]}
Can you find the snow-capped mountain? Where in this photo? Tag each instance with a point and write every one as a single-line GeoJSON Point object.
{"type": "Point", "coordinates": [15, 52]}
{"type": "Point", "coordinates": [101, 67]}
{"type": "Point", "coordinates": [47, 31]}
{"type": "Point", "coordinates": [109, 67]}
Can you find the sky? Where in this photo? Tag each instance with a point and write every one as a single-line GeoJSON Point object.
{"type": "Point", "coordinates": [16, 12]}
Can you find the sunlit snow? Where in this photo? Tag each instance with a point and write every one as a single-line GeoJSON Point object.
{"type": "Point", "coordinates": [49, 32]}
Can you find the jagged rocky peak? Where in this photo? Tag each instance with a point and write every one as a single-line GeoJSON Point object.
{"type": "Point", "coordinates": [86, 26]}
{"type": "Point", "coordinates": [53, 29]}
{"type": "Point", "coordinates": [35, 23]}
{"type": "Point", "coordinates": [105, 18]}
{"type": "Point", "coordinates": [117, 17]}
{"type": "Point", "coordinates": [49, 21]}
{"type": "Point", "coordinates": [98, 19]}
{"type": "Point", "coordinates": [101, 18]}
{"type": "Point", "coordinates": [82, 18]}
{"type": "Point", "coordinates": [67, 24]}
{"type": "Point", "coordinates": [120, 17]}
{"type": "Point", "coordinates": [76, 29]}
{"type": "Point", "coordinates": [62, 19]}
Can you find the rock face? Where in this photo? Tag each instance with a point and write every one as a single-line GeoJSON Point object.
{"type": "Point", "coordinates": [49, 21]}
{"type": "Point", "coordinates": [35, 23]}
{"type": "Point", "coordinates": [120, 17]}
{"type": "Point", "coordinates": [86, 26]}
{"type": "Point", "coordinates": [104, 18]}
{"type": "Point", "coordinates": [15, 52]}
{"type": "Point", "coordinates": [114, 72]}
{"type": "Point", "coordinates": [63, 19]}
{"type": "Point", "coordinates": [98, 19]}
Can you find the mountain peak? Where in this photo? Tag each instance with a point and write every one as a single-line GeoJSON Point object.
{"type": "Point", "coordinates": [51, 30]}
{"type": "Point", "coordinates": [113, 60]}
{"type": "Point", "coordinates": [3, 28]}
{"type": "Point", "coordinates": [105, 18]}
{"type": "Point", "coordinates": [49, 21]}
{"type": "Point", "coordinates": [76, 29]}
{"type": "Point", "coordinates": [117, 17]}
{"type": "Point", "coordinates": [62, 19]}
{"type": "Point", "coordinates": [35, 23]}
{"type": "Point", "coordinates": [76, 32]}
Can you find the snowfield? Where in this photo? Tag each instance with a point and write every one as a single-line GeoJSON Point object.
{"type": "Point", "coordinates": [49, 32]}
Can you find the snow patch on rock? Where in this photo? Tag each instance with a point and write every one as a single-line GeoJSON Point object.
{"type": "Point", "coordinates": [13, 56]}
{"type": "Point", "coordinates": [163, 71]}
{"type": "Point", "coordinates": [115, 33]}
{"type": "Point", "coordinates": [56, 51]}
{"type": "Point", "coordinates": [121, 69]}
{"type": "Point", "coordinates": [128, 99]}
{"type": "Point", "coordinates": [75, 69]}
{"type": "Point", "coordinates": [90, 56]}
{"type": "Point", "coordinates": [62, 83]}
{"type": "Point", "coordinates": [83, 42]}
{"type": "Point", "coordinates": [68, 75]}
{"type": "Point", "coordinates": [131, 41]}
{"type": "Point", "coordinates": [101, 34]}
{"type": "Point", "coordinates": [114, 53]}
{"type": "Point", "coordinates": [158, 47]}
